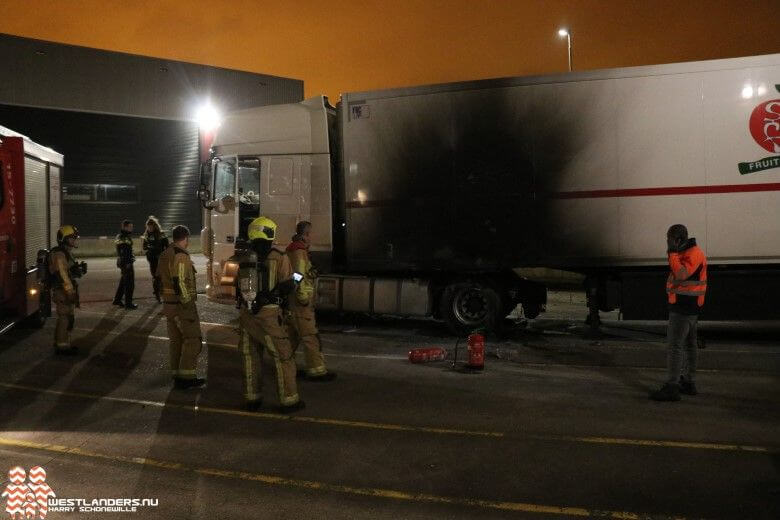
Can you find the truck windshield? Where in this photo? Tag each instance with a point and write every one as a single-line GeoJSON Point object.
{"type": "Point", "coordinates": [225, 179]}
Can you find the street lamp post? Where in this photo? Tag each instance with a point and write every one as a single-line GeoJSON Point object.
{"type": "Point", "coordinates": [565, 32]}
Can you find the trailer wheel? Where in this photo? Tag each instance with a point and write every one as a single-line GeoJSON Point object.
{"type": "Point", "coordinates": [466, 306]}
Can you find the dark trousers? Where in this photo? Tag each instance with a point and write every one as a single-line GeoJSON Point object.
{"type": "Point", "coordinates": [153, 260]}
{"type": "Point", "coordinates": [126, 285]}
{"type": "Point", "coordinates": [681, 337]}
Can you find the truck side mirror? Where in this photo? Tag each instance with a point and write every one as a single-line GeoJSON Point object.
{"type": "Point", "coordinates": [204, 195]}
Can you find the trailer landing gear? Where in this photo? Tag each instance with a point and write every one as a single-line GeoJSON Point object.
{"type": "Point", "coordinates": [593, 321]}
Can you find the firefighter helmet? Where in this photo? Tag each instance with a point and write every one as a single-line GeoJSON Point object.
{"type": "Point", "coordinates": [67, 231]}
{"type": "Point", "coordinates": [262, 228]}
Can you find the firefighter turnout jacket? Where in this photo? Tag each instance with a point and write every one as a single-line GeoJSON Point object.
{"type": "Point", "coordinates": [177, 276]}
{"type": "Point", "coordinates": [686, 285]}
{"type": "Point", "coordinates": [63, 269]}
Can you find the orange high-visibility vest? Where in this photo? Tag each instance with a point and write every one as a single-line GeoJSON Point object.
{"type": "Point", "coordinates": [688, 276]}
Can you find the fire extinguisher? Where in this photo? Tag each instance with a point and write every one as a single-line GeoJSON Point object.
{"type": "Point", "coordinates": [476, 351]}
{"type": "Point", "coordinates": [422, 355]}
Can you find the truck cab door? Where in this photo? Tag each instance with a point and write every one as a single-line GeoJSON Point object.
{"type": "Point", "coordinates": [223, 215]}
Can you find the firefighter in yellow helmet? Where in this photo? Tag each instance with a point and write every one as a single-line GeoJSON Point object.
{"type": "Point", "coordinates": [64, 273]}
{"type": "Point", "coordinates": [263, 284]}
{"type": "Point", "coordinates": [301, 322]}
{"type": "Point", "coordinates": [176, 275]}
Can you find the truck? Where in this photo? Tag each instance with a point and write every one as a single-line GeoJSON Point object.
{"type": "Point", "coordinates": [30, 215]}
{"type": "Point", "coordinates": [425, 201]}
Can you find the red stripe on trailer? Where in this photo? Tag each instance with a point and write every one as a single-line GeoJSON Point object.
{"type": "Point", "coordinates": [676, 190]}
{"type": "Point", "coordinates": [603, 194]}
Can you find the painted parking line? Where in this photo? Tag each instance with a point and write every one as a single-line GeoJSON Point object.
{"type": "Point", "coordinates": [601, 440]}
{"type": "Point", "coordinates": [644, 346]}
{"type": "Point", "coordinates": [260, 415]}
{"type": "Point", "coordinates": [312, 485]}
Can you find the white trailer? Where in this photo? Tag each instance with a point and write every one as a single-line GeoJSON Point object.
{"type": "Point", "coordinates": [424, 199]}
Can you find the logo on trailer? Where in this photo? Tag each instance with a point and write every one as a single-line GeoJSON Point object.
{"type": "Point", "coordinates": [765, 129]}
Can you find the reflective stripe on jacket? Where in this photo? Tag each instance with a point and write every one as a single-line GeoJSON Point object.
{"type": "Point", "coordinates": [688, 274]}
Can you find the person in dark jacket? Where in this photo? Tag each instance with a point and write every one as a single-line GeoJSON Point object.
{"type": "Point", "coordinates": [124, 261]}
{"type": "Point", "coordinates": [155, 242]}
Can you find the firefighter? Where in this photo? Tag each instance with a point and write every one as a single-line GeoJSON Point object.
{"type": "Point", "coordinates": [64, 273]}
{"type": "Point", "coordinates": [154, 243]}
{"type": "Point", "coordinates": [686, 288]}
{"type": "Point", "coordinates": [124, 261]}
{"type": "Point", "coordinates": [301, 321]}
{"type": "Point", "coordinates": [177, 283]}
{"type": "Point", "coordinates": [263, 284]}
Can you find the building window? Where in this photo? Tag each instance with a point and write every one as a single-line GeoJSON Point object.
{"type": "Point", "coordinates": [101, 193]}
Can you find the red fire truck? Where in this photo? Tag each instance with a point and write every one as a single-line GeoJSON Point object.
{"type": "Point", "coordinates": [30, 213]}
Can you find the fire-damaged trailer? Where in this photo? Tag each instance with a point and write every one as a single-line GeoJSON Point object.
{"type": "Point", "coordinates": [425, 200]}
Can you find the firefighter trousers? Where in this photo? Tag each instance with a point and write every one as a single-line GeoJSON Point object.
{"type": "Point", "coordinates": [66, 309]}
{"type": "Point", "coordinates": [302, 329]}
{"type": "Point", "coordinates": [265, 331]}
{"type": "Point", "coordinates": [185, 338]}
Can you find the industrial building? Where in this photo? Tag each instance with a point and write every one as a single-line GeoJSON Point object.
{"type": "Point", "coordinates": [126, 124]}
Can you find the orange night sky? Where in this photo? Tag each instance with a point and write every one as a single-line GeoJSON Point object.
{"type": "Point", "coordinates": [347, 45]}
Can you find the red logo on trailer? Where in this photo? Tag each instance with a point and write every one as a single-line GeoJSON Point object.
{"type": "Point", "coordinates": [765, 125]}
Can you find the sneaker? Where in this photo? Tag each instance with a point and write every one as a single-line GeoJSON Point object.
{"type": "Point", "coordinates": [70, 351]}
{"type": "Point", "coordinates": [687, 387]}
{"type": "Point", "coordinates": [253, 405]}
{"type": "Point", "coordinates": [184, 384]}
{"type": "Point", "coordinates": [327, 376]}
{"type": "Point", "coordinates": [131, 306]}
{"type": "Point", "coordinates": [118, 304]}
{"type": "Point", "coordinates": [668, 392]}
{"type": "Point", "coordinates": [300, 405]}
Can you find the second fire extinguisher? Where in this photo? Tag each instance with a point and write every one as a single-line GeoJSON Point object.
{"type": "Point", "coordinates": [476, 351]}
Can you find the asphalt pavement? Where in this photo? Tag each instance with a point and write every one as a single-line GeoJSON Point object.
{"type": "Point", "coordinates": [556, 426]}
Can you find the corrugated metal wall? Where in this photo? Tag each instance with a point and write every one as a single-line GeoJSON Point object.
{"type": "Point", "coordinates": [158, 156]}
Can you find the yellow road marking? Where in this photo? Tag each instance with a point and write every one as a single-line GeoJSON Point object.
{"type": "Point", "coordinates": [618, 441]}
{"type": "Point", "coordinates": [275, 480]}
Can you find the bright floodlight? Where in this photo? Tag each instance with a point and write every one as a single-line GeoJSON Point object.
{"type": "Point", "coordinates": [207, 117]}
{"type": "Point", "coordinates": [747, 92]}
{"type": "Point", "coordinates": [563, 32]}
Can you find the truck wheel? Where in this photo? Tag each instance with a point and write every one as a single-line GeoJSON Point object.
{"type": "Point", "coordinates": [466, 306]}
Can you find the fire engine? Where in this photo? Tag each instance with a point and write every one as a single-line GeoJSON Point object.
{"type": "Point", "coordinates": [30, 214]}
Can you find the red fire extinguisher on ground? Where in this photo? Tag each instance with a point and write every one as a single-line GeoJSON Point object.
{"type": "Point", "coordinates": [422, 355]}
{"type": "Point", "coordinates": [476, 351]}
